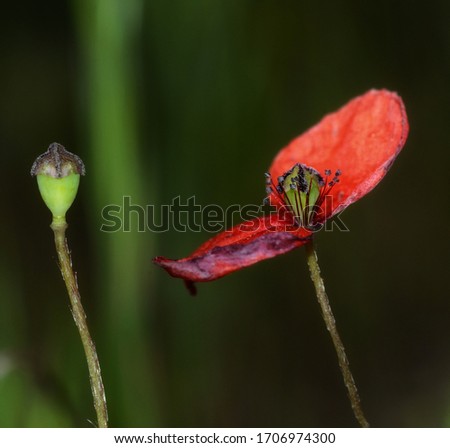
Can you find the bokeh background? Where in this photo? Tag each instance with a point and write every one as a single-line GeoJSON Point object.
{"type": "Point", "coordinates": [193, 98]}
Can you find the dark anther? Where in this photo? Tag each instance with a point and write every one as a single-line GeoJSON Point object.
{"type": "Point", "coordinates": [327, 172]}
{"type": "Point", "coordinates": [303, 186]}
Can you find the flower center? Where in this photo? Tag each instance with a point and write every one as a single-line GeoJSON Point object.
{"type": "Point", "coordinates": [302, 189]}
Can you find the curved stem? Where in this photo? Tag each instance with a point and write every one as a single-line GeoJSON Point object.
{"type": "Point", "coordinates": [331, 326]}
{"type": "Point", "coordinates": [59, 227]}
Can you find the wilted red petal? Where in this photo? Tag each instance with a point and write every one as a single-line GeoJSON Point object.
{"type": "Point", "coordinates": [241, 246]}
{"type": "Point", "coordinates": [361, 139]}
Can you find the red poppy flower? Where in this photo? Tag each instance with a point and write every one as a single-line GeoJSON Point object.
{"type": "Point", "coordinates": [316, 176]}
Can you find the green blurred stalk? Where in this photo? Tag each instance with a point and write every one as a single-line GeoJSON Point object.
{"type": "Point", "coordinates": [108, 32]}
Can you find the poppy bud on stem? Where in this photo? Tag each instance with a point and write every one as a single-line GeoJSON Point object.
{"type": "Point", "coordinates": [330, 322]}
{"type": "Point", "coordinates": [58, 175]}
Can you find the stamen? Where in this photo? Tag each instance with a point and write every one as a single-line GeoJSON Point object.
{"type": "Point", "coordinates": [271, 188]}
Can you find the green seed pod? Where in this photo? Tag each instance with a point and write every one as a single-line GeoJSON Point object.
{"type": "Point", "coordinates": [58, 175]}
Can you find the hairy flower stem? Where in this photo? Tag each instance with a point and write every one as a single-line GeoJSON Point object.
{"type": "Point", "coordinates": [59, 227]}
{"type": "Point", "coordinates": [331, 326]}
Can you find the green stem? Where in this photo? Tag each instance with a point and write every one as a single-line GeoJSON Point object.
{"type": "Point", "coordinates": [59, 227]}
{"type": "Point", "coordinates": [331, 326]}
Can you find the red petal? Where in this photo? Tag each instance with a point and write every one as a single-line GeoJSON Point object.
{"type": "Point", "coordinates": [361, 139]}
{"type": "Point", "coordinates": [241, 246]}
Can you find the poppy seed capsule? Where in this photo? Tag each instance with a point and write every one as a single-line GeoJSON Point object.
{"type": "Point", "coordinates": [58, 175]}
{"type": "Point", "coordinates": [303, 190]}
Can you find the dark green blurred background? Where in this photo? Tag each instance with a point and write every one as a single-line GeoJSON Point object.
{"type": "Point", "coordinates": [165, 98]}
